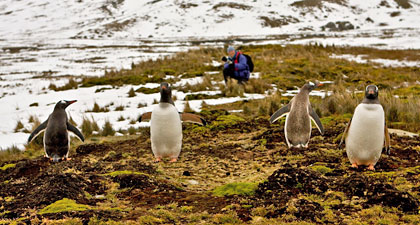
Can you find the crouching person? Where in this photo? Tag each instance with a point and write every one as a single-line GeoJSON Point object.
{"type": "Point", "coordinates": [236, 66]}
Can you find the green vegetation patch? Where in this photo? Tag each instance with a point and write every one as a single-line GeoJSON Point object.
{"type": "Point", "coordinates": [123, 172]}
{"type": "Point", "coordinates": [7, 166]}
{"type": "Point", "coordinates": [225, 121]}
{"type": "Point", "coordinates": [64, 205]}
{"type": "Point", "coordinates": [321, 169]}
{"type": "Point", "coordinates": [235, 189]}
{"type": "Point", "coordinates": [148, 90]}
{"type": "Point", "coordinates": [120, 80]}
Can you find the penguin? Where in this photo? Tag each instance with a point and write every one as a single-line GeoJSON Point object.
{"type": "Point", "coordinates": [165, 126]}
{"type": "Point", "coordinates": [366, 134]}
{"type": "Point", "coordinates": [56, 137]}
{"type": "Point", "coordinates": [298, 114]}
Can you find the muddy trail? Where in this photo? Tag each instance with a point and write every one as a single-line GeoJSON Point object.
{"type": "Point", "coordinates": [119, 181]}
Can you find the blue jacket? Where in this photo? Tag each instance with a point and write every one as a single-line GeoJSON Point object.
{"type": "Point", "coordinates": [241, 66]}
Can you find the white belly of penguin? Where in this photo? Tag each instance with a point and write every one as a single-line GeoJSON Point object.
{"type": "Point", "coordinates": [166, 131]}
{"type": "Point", "coordinates": [365, 138]}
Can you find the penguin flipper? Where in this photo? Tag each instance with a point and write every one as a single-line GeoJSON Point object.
{"type": "Point", "coordinates": [145, 116]}
{"type": "Point", "coordinates": [38, 130]}
{"type": "Point", "coordinates": [387, 141]}
{"type": "Point", "coordinates": [192, 118]}
{"type": "Point", "coordinates": [344, 135]}
{"type": "Point", "coordinates": [316, 120]}
{"type": "Point", "coordinates": [283, 111]}
{"type": "Point", "coordinates": [75, 131]}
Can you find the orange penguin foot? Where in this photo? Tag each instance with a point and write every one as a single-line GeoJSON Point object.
{"type": "Point", "coordinates": [158, 159]}
{"type": "Point", "coordinates": [371, 167]}
{"type": "Point", "coordinates": [354, 165]}
{"type": "Point", "coordinates": [173, 160]}
{"type": "Point", "coordinates": [67, 159]}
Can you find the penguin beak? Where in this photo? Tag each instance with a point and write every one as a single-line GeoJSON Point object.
{"type": "Point", "coordinates": [163, 87]}
{"type": "Point", "coordinates": [71, 102]}
{"type": "Point", "coordinates": [371, 92]}
{"type": "Point", "coordinates": [320, 84]}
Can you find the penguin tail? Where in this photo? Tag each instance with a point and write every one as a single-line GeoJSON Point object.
{"type": "Point", "coordinates": [55, 158]}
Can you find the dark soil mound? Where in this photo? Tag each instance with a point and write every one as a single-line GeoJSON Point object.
{"type": "Point", "coordinates": [376, 191]}
{"type": "Point", "coordinates": [294, 181]}
{"type": "Point", "coordinates": [142, 181]}
{"type": "Point", "coordinates": [44, 190]}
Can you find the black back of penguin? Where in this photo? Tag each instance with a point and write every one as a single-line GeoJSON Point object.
{"type": "Point", "coordinates": [56, 138]}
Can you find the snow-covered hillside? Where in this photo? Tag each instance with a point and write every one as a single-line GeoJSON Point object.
{"type": "Point", "coordinates": [190, 18]}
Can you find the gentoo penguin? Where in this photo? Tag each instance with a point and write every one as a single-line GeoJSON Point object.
{"type": "Point", "coordinates": [165, 125]}
{"type": "Point", "coordinates": [298, 114]}
{"type": "Point", "coordinates": [56, 137]}
{"type": "Point", "coordinates": [366, 133]}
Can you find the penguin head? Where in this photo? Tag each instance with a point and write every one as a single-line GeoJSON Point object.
{"type": "Point", "coordinates": [165, 93]}
{"type": "Point", "coordinates": [371, 92]}
{"type": "Point", "coordinates": [311, 85]}
{"type": "Point", "coordinates": [63, 104]}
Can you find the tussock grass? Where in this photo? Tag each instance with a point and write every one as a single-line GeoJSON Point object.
{"type": "Point", "coordinates": [131, 93]}
{"type": "Point", "coordinates": [187, 108]}
{"type": "Point", "coordinates": [71, 84]}
{"type": "Point", "coordinates": [191, 63]}
{"type": "Point", "coordinates": [141, 105]}
{"type": "Point", "coordinates": [206, 84]}
{"type": "Point", "coordinates": [232, 89]}
{"type": "Point", "coordinates": [286, 66]}
{"type": "Point", "coordinates": [405, 4]}
{"type": "Point", "coordinates": [402, 113]}
{"type": "Point", "coordinates": [266, 106]}
{"type": "Point", "coordinates": [257, 86]}
{"type": "Point", "coordinates": [148, 90]}
{"type": "Point", "coordinates": [19, 126]}
{"type": "Point", "coordinates": [97, 108]}
{"type": "Point", "coordinates": [119, 108]}
{"type": "Point", "coordinates": [88, 126]}
{"type": "Point", "coordinates": [107, 129]}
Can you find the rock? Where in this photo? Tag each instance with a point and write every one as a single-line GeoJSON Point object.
{"type": "Point", "coordinates": [402, 133]}
{"type": "Point", "coordinates": [193, 182]}
{"type": "Point", "coordinates": [338, 26]}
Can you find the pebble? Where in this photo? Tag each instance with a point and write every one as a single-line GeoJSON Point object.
{"type": "Point", "coordinates": [193, 182]}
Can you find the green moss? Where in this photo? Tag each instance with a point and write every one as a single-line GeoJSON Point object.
{"type": "Point", "coordinates": [247, 206]}
{"type": "Point", "coordinates": [226, 219]}
{"type": "Point", "coordinates": [64, 205]}
{"type": "Point", "coordinates": [226, 121]}
{"type": "Point", "coordinates": [149, 220]}
{"type": "Point", "coordinates": [235, 189]}
{"type": "Point", "coordinates": [186, 209]}
{"type": "Point", "coordinates": [124, 172]}
{"type": "Point", "coordinates": [321, 169]}
{"type": "Point", "coordinates": [7, 166]}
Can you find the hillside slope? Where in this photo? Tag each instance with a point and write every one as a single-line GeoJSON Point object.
{"type": "Point", "coordinates": [175, 18]}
